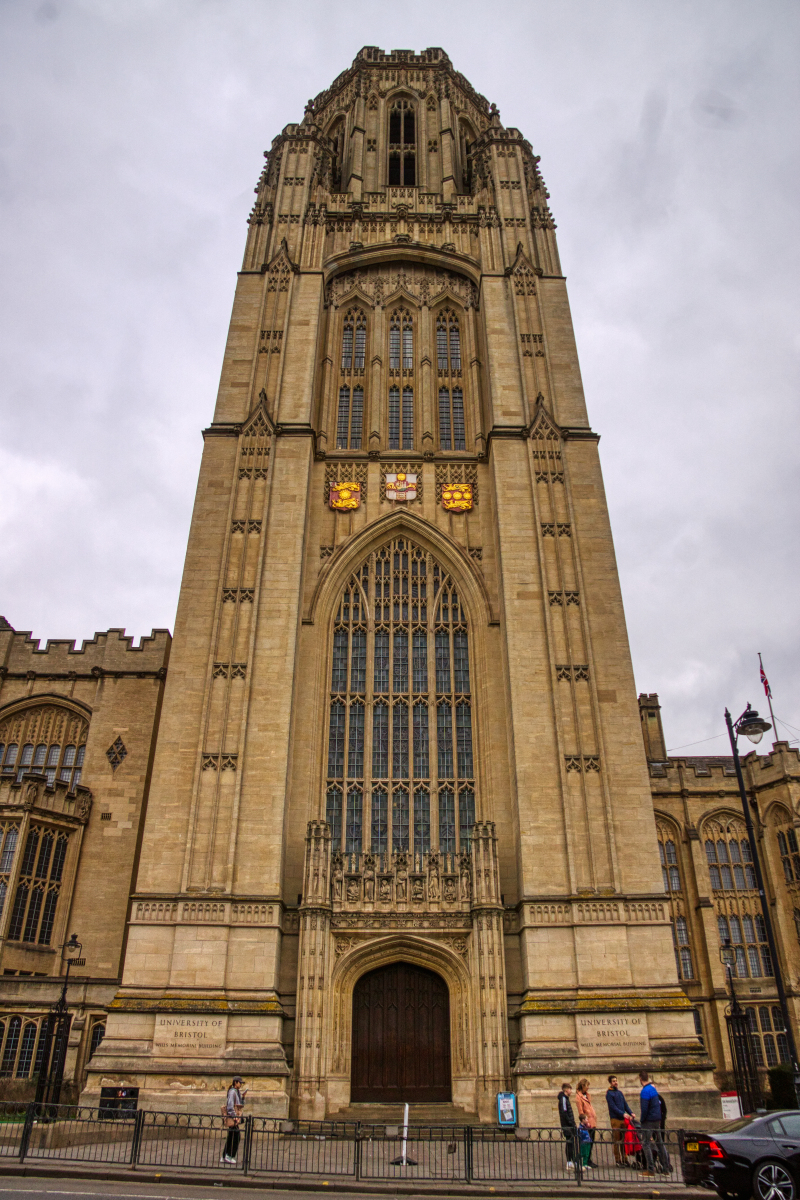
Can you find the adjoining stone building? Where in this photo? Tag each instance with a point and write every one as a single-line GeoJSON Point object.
{"type": "Point", "coordinates": [398, 762]}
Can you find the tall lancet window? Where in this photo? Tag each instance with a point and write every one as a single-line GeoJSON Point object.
{"type": "Point", "coordinates": [452, 427]}
{"type": "Point", "coordinates": [400, 730]}
{"type": "Point", "coordinates": [350, 413]}
{"type": "Point", "coordinates": [402, 145]}
{"type": "Point", "coordinates": [401, 367]}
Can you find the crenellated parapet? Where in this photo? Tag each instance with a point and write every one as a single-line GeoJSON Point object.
{"type": "Point", "coordinates": [110, 653]}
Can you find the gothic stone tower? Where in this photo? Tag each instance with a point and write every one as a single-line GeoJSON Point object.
{"type": "Point", "coordinates": [399, 766]}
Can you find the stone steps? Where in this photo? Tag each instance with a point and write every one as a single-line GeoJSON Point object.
{"type": "Point", "coordinates": [418, 1114]}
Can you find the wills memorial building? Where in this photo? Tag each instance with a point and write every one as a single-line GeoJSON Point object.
{"type": "Point", "coordinates": [380, 827]}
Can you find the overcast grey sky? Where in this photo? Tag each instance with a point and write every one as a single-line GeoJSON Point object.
{"type": "Point", "coordinates": [131, 134]}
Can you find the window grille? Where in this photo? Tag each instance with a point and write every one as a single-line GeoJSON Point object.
{"type": "Point", "coordinates": [730, 860]}
{"type": "Point", "coordinates": [350, 418]}
{"type": "Point", "coordinates": [9, 835]}
{"type": "Point", "coordinates": [452, 427]}
{"type": "Point", "coordinates": [768, 1035]}
{"type": "Point", "coordinates": [98, 1033]}
{"type": "Point", "coordinates": [380, 821]}
{"type": "Point", "coordinates": [790, 855]}
{"type": "Point", "coordinates": [46, 740]}
{"type": "Point", "coordinates": [400, 736]}
{"type": "Point", "coordinates": [21, 1046]}
{"type": "Point", "coordinates": [683, 955]}
{"type": "Point", "coordinates": [402, 145]}
{"type": "Point", "coordinates": [36, 897]}
{"type": "Point", "coordinates": [352, 841]}
{"type": "Point", "coordinates": [747, 936]}
{"type": "Point", "coordinates": [452, 430]}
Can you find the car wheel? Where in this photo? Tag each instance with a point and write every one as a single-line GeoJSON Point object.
{"type": "Point", "coordinates": [772, 1181]}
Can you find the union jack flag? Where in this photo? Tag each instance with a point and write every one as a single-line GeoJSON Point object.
{"type": "Point", "coordinates": [765, 681]}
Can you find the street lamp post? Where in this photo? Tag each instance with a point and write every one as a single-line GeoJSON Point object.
{"type": "Point", "coordinates": [753, 727]}
{"type": "Point", "coordinates": [56, 1037]}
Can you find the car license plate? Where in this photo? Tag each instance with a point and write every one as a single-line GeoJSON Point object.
{"type": "Point", "coordinates": [693, 1146]}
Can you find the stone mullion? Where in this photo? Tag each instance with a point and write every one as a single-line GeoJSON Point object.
{"type": "Point", "coordinates": [588, 657]}
{"type": "Point", "coordinates": [327, 414]}
{"type": "Point", "coordinates": [214, 649]}
{"type": "Point", "coordinates": [558, 715]}
{"type": "Point", "coordinates": [469, 355]}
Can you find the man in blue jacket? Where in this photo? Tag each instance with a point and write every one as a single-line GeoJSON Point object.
{"type": "Point", "coordinates": [617, 1107]}
{"type": "Point", "coordinates": [651, 1127]}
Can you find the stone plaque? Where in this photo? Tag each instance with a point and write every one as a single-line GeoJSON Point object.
{"type": "Point", "coordinates": [190, 1036]}
{"type": "Point", "coordinates": [613, 1034]}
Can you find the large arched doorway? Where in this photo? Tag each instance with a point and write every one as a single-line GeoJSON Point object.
{"type": "Point", "coordinates": [401, 1037]}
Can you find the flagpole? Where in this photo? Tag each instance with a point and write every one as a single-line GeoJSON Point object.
{"type": "Point", "coordinates": [768, 691]}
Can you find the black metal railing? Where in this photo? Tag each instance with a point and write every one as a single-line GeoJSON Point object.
{"type": "Point", "coordinates": [326, 1149]}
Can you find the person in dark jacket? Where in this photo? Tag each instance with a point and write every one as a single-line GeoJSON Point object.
{"type": "Point", "coordinates": [651, 1127]}
{"type": "Point", "coordinates": [617, 1108]}
{"type": "Point", "coordinates": [566, 1117]}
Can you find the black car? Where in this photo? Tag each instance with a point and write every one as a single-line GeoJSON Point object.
{"type": "Point", "coordinates": [755, 1156]}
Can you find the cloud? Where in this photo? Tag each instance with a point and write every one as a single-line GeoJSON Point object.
{"type": "Point", "coordinates": [130, 142]}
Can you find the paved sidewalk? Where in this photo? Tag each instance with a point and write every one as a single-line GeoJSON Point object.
{"type": "Point", "coordinates": [636, 1190]}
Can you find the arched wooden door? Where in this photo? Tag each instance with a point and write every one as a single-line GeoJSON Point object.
{"type": "Point", "coordinates": [401, 1037]}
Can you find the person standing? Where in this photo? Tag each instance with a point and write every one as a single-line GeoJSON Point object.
{"type": "Point", "coordinates": [566, 1118]}
{"type": "Point", "coordinates": [617, 1108]}
{"type": "Point", "coordinates": [234, 1108]}
{"type": "Point", "coordinates": [651, 1127]}
{"type": "Point", "coordinates": [586, 1110]}
{"type": "Point", "coordinates": [585, 1143]}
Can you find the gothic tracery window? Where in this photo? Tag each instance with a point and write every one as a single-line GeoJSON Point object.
{"type": "Point", "coordinates": [400, 749]}
{"type": "Point", "coordinates": [40, 874]}
{"type": "Point", "coordinates": [790, 854]}
{"type": "Point", "coordinates": [401, 367]}
{"type": "Point", "coordinates": [730, 859]}
{"type": "Point", "coordinates": [402, 144]}
{"type": "Point", "coordinates": [768, 1035]}
{"type": "Point", "coordinates": [668, 843]}
{"type": "Point", "coordinates": [452, 430]}
{"type": "Point", "coordinates": [44, 739]}
{"type": "Point", "coordinates": [350, 412]}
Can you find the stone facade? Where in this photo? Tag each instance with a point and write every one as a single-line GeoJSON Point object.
{"type": "Point", "coordinates": [77, 728]}
{"type": "Point", "coordinates": [402, 728]}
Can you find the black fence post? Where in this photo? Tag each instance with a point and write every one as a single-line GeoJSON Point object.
{"type": "Point", "coordinates": [357, 1152]}
{"type": "Point", "coordinates": [578, 1163]}
{"type": "Point", "coordinates": [468, 1153]}
{"type": "Point", "coordinates": [248, 1141]}
{"type": "Point", "coordinates": [137, 1138]}
{"type": "Point", "coordinates": [27, 1127]}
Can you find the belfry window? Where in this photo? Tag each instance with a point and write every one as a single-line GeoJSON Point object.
{"type": "Point", "coordinates": [400, 735]}
{"type": "Point", "coordinates": [402, 145]}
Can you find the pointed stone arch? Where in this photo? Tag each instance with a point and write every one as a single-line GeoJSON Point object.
{"type": "Point", "coordinates": [354, 957]}
{"type": "Point", "coordinates": [452, 555]}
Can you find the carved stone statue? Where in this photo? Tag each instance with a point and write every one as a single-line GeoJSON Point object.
{"type": "Point", "coordinates": [385, 890]}
{"type": "Point", "coordinates": [433, 887]}
{"type": "Point", "coordinates": [466, 884]}
{"type": "Point", "coordinates": [352, 890]}
{"type": "Point", "coordinates": [417, 892]}
{"type": "Point", "coordinates": [337, 878]}
{"type": "Point", "coordinates": [401, 888]}
{"type": "Point", "coordinates": [450, 889]}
